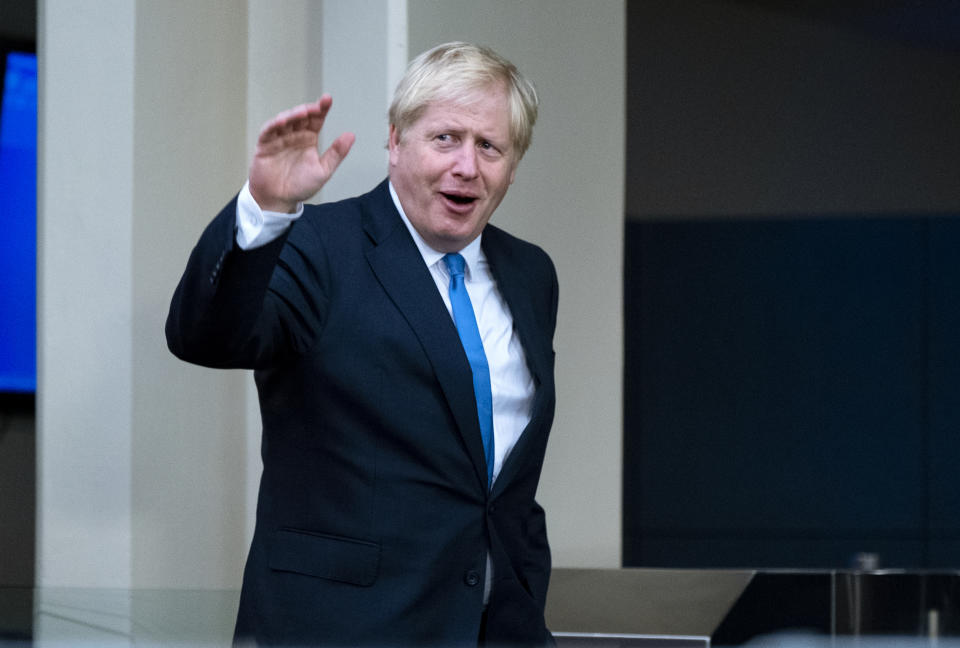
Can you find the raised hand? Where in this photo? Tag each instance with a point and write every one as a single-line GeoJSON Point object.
{"type": "Point", "coordinates": [287, 168]}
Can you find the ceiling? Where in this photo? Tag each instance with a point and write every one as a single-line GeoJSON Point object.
{"type": "Point", "coordinates": [928, 24]}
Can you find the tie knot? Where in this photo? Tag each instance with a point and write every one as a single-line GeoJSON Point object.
{"type": "Point", "coordinates": [455, 264]}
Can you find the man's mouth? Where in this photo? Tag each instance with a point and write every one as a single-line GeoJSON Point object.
{"type": "Point", "coordinates": [459, 199]}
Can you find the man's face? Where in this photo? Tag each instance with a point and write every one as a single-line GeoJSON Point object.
{"type": "Point", "coordinates": [453, 166]}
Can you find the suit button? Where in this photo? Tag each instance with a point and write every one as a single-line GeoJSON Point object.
{"type": "Point", "coordinates": [471, 578]}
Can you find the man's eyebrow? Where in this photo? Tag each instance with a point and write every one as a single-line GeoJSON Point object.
{"type": "Point", "coordinates": [458, 129]}
{"type": "Point", "coordinates": [447, 127]}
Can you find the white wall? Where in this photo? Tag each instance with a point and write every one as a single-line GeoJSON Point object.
{"type": "Point", "coordinates": [148, 113]}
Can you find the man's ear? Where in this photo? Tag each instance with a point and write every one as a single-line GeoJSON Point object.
{"type": "Point", "coordinates": [393, 143]}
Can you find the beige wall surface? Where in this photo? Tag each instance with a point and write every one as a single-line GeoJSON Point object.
{"type": "Point", "coordinates": [189, 158]}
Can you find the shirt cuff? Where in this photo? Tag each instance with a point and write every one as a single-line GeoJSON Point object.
{"type": "Point", "coordinates": [256, 227]}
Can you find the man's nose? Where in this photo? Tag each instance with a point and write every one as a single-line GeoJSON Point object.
{"type": "Point", "coordinates": [466, 162]}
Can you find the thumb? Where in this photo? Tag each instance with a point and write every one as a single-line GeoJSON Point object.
{"type": "Point", "coordinates": [334, 155]}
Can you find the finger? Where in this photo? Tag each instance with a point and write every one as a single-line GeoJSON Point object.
{"type": "Point", "coordinates": [323, 103]}
{"type": "Point", "coordinates": [309, 115]}
{"type": "Point", "coordinates": [311, 111]}
{"type": "Point", "coordinates": [317, 114]}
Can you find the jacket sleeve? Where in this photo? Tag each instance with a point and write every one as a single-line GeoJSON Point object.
{"type": "Point", "coordinates": [242, 309]}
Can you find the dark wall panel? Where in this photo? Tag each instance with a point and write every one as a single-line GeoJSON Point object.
{"type": "Point", "coordinates": [778, 380]}
{"type": "Point", "coordinates": [944, 396]}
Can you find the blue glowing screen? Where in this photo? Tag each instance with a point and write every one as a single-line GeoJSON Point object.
{"type": "Point", "coordinates": [18, 224]}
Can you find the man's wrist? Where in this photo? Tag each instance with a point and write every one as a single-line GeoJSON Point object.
{"type": "Point", "coordinates": [273, 205]}
{"type": "Point", "coordinates": [257, 226]}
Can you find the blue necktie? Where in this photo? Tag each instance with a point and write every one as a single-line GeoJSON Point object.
{"type": "Point", "coordinates": [466, 323]}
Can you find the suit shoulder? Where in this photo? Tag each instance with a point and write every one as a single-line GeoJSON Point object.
{"type": "Point", "coordinates": [521, 251]}
{"type": "Point", "coordinates": [343, 217]}
{"type": "Point", "coordinates": [332, 213]}
{"type": "Point", "coordinates": [516, 263]}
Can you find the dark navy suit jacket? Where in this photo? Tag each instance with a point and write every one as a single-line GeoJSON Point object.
{"type": "Point", "coordinates": [374, 519]}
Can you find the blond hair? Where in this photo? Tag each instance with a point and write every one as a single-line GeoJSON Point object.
{"type": "Point", "coordinates": [457, 72]}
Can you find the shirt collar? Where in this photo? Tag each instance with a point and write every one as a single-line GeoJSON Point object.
{"type": "Point", "coordinates": [471, 253]}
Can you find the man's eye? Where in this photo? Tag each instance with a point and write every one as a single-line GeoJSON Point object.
{"type": "Point", "coordinates": [489, 148]}
{"type": "Point", "coordinates": [443, 137]}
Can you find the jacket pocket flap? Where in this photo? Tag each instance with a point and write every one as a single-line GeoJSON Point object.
{"type": "Point", "coordinates": [325, 556]}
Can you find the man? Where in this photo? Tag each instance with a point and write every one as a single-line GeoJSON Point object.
{"type": "Point", "coordinates": [405, 419]}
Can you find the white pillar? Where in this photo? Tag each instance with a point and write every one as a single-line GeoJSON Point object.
{"type": "Point", "coordinates": [85, 308]}
{"type": "Point", "coordinates": [364, 55]}
{"type": "Point", "coordinates": [85, 293]}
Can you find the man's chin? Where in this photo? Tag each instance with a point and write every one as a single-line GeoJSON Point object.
{"type": "Point", "coordinates": [452, 242]}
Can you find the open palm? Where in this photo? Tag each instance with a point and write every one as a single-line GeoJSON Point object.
{"type": "Point", "coordinates": [287, 167]}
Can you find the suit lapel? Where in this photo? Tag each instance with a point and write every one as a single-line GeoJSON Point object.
{"type": "Point", "coordinates": [398, 266]}
{"type": "Point", "coordinates": [510, 278]}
